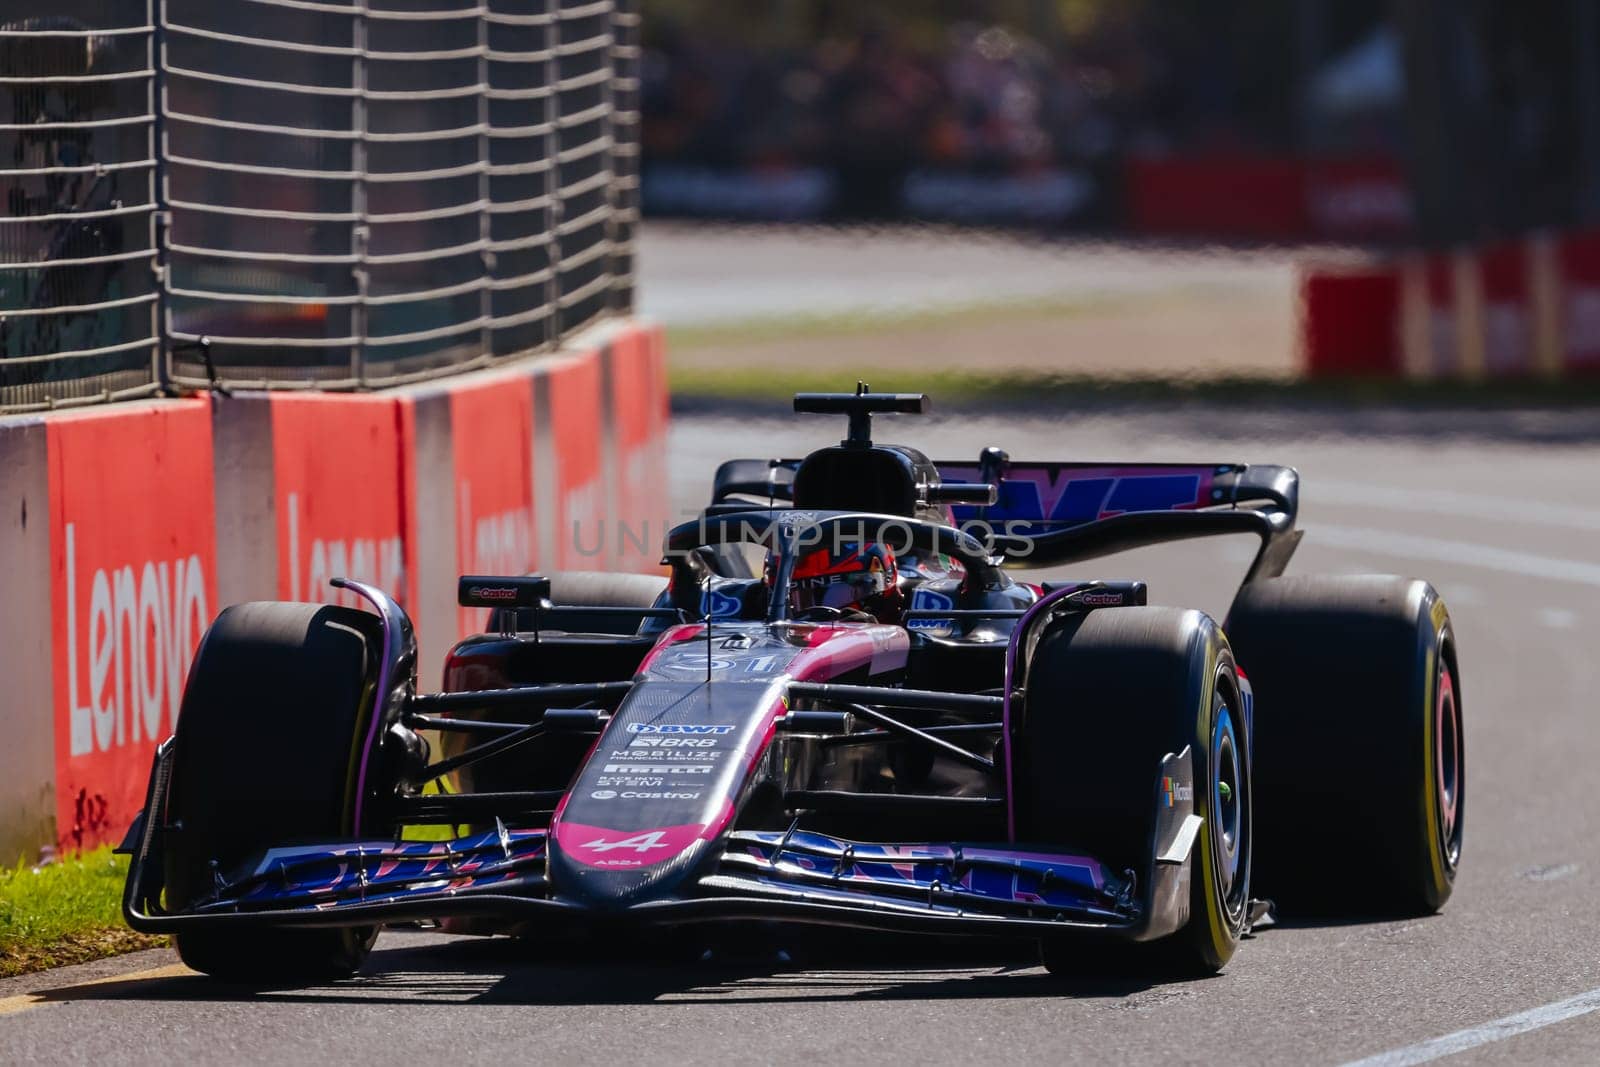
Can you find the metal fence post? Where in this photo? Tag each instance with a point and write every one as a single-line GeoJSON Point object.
{"type": "Point", "coordinates": [161, 217]}
{"type": "Point", "coordinates": [552, 185]}
{"type": "Point", "coordinates": [360, 231]}
{"type": "Point", "coordinates": [486, 255]}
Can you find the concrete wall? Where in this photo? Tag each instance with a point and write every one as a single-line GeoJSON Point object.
{"type": "Point", "coordinates": [123, 530]}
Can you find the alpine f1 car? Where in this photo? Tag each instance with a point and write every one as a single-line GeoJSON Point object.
{"type": "Point", "coordinates": [837, 709]}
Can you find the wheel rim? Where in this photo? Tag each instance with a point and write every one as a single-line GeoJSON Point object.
{"type": "Point", "coordinates": [1448, 764]}
{"type": "Point", "coordinates": [1230, 813]}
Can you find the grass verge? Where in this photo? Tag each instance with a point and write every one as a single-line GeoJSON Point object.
{"type": "Point", "coordinates": [699, 386]}
{"type": "Point", "coordinates": [66, 912]}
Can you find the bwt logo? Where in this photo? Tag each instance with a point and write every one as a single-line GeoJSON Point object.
{"type": "Point", "coordinates": [143, 625]}
{"type": "Point", "coordinates": [374, 561]}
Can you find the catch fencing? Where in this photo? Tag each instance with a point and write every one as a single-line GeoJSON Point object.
{"type": "Point", "coordinates": [324, 194]}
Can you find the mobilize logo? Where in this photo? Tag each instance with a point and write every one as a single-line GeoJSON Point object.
{"type": "Point", "coordinates": [678, 728]}
{"type": "Point", "coordinates": [144, 622]}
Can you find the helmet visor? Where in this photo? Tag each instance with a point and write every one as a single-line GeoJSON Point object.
{"type": "Point", "coordinates": [836, 590]}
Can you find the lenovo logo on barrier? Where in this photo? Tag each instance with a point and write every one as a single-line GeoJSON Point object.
{"type": "Point", "coordinates": [378, 561]}
{"type": "Point", "coordinates": [136, 643]}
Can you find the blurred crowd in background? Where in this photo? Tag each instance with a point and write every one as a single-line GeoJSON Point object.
{"type": "Point", "coordinates": [833, 107]}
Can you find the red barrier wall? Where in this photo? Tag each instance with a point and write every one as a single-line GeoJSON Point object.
{"type": "Point", "coordinates": [1348, 321]}
{"type": "Point", "coordinates": [134, 585]}
{"type": "Point", "coordinates": [1516, 308]}
{"type": "Point", "coordinates": [581, 535]}
{"type": "Point", "coordinates": [1267, 198]}
{"type": "Point", "coordinates": [338, 496]}
{"type": "Point", "coordinates": [311, 486]}
{"type": "Point", "coordinates": [492, 432]}
{"type": "Point", "coordinates": [1580, 301]}
{"type": "Point", "coordinates": [640, 400]}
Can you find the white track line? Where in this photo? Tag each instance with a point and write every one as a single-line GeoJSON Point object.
{"type": "Point", "coordinates": [1465, 553]}
{"type": "Point", "coordinates": [1460, 505]}
{"type": "Point", "coordinates": [1488, 1033]}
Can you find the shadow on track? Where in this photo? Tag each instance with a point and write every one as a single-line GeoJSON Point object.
{"type": "Point", "coordinates": [408, 969]}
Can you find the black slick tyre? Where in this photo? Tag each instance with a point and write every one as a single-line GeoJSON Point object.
{"type": "Point", "coordinates": [1360, 761]}
{"type": "Point", "coordinates": [264, 756]}
{"type": "Point", "coordinates": [1109, 694]}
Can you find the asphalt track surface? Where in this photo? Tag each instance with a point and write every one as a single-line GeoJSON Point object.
{"type": "Point", "coordinates": [1500, 511]}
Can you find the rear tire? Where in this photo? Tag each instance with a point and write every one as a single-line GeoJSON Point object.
{"type": "Point", "coordinates": [264, 755]}
{"type": "Point", "coordinates": [1361, 767]}
{"type": "Point", "coordinates": [1109, 694]}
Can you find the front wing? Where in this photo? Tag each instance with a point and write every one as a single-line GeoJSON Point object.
{"type": "Point", "coordinates": [800, 877]}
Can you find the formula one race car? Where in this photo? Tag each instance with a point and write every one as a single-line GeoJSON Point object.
{"type": "Point", "coordinates": [838, 710]}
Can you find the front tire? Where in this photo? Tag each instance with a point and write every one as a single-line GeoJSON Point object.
{"type": "Point", "coordinates": [265, 751]}
{"type": "Point", "coordinates": [1110, 693]}
{"type": "Point", "coordinates": [1361, 766]}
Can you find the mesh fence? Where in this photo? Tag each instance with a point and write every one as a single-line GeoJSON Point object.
{"type": "Point", "coordinates": [77, 166]}
{"type": "Point", "coordinates": [354, 194]}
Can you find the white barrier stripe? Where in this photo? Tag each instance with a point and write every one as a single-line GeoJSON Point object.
{"type": "Point", "coordinates": [1466, 554]}
{"type": "Point", "coordinates": [87, 168]}
{"type": "Point", "coordinates": [454, 329]}
{"type": "Point", "coordinates": [83, 353]}
{"type": "Point", "coordinates": [82, 261]}
{"type": "Point", "coordinates": [262, 42]}
{"type": "Point", "coordinates": [69, 216]}
{"type": "Point", "coordinates": [273, 342]}
{"type": "Point", "coordinates": [426, 254]}
{"type": "Point", "coordinates": [411, 297]}
{"type": "Point", "coordinates": [112, 31]}
{"type": "Point", "coordinates": [266, 257]}
{"type": "Point", "coordinates": [259, 83]}
{"type": "Point", "coordinates": [75, 79]}
{"type": "Point", "coordinates": [519, 20]}
{"type": "Point", "coordinates": [441, 15]}
{"type": "Point", "coordinates": [88, 124]}
{"type": "Point", "coordinates": [264, 298]}
{"type": "Point", "coordinates": [76, 309]}
{"type": "Point", "coordinates": [1488, 1033]}
{"type": "Point", "coordinates": [308, 5]}
{"type": "Point", "coordinates": [1463, 505]}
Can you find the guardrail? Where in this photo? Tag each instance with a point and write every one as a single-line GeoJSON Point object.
{"type": "Point", "coordinates": [328, 194]}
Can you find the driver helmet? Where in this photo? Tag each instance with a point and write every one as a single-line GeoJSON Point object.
{"type": "Point", "coordinates": [849, 577]}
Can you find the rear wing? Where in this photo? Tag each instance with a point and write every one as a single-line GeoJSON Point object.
{"type": "Point", "coordinates": [1048, 513]}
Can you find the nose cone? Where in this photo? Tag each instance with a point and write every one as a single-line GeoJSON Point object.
{"type": "Point", "coordinates": [608, 868]}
